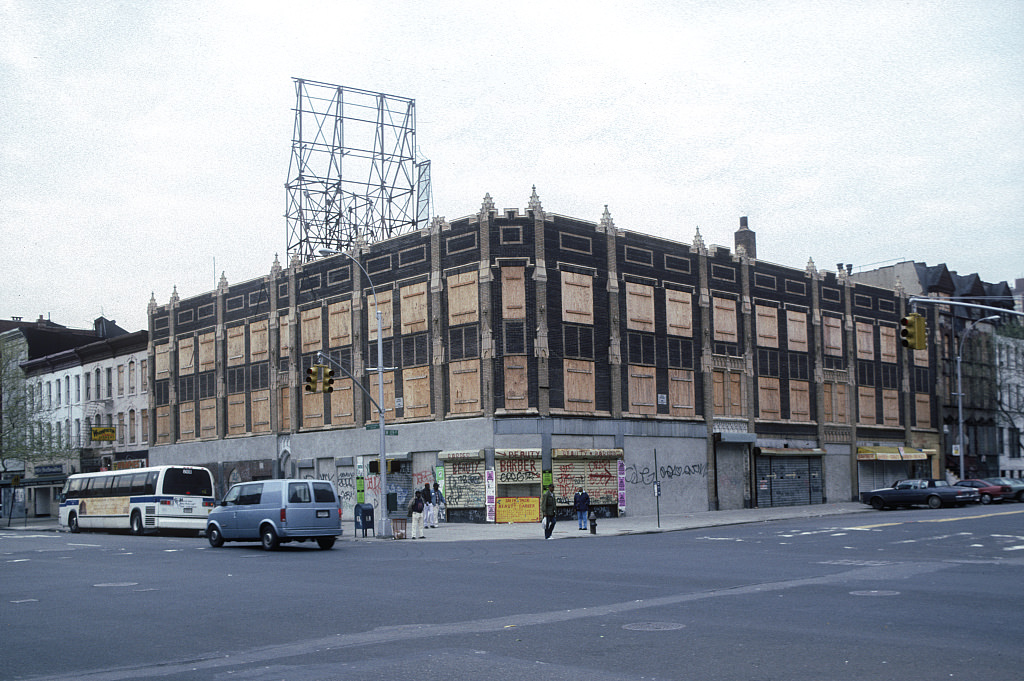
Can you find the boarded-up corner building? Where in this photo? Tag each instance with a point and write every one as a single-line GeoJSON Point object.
{"type": "Point", "coordinates": [521, 344]}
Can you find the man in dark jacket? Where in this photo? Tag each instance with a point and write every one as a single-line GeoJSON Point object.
{"type": "Point", "coordinates": [581, 502]}
{"type": "Point", "coordinates": [547, 510]}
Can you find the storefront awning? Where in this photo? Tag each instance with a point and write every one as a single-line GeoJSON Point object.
{"type": "Point", "coordinates": [890, 454]}
{"type": "Point", "coordinates": [41, 481]}
{"type": "Point", "coordinates": [788, 451]}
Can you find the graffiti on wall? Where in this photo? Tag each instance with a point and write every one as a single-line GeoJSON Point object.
{"type": "Point", "coordinates": [464, 483]}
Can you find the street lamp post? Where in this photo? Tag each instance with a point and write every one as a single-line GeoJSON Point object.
{"type": "Point", "coordinates": [383, 526]}
{"type": "Point", "coordinates": [960, 388]}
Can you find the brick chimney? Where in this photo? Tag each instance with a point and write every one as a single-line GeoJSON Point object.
{"type": "Point", "coordinates": [747, 239]}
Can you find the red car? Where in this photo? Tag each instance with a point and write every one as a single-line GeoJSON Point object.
{"type": "Point", "coordinates": [988, 491]}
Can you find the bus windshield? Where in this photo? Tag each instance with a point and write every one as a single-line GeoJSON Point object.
{"type": "Point", "coordinates": [188, 481]}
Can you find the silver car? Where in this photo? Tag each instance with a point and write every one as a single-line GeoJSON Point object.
{"type": "Point", "coordinates": [273, 512]}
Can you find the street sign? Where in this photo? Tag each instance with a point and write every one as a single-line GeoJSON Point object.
{"type": "Point", "coordinates": [373, 426]}
{"type": "Point", "coordinates": [391, 432]}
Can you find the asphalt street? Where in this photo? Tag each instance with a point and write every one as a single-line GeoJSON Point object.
{"type": "Point", "coordinates": [867, 595]}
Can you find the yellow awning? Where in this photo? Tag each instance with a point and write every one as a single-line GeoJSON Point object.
{"type": "Point", "coordinates": [890, 454]}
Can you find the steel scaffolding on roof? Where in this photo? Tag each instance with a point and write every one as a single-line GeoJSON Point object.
{"type": "Point", "coordinates": [353, 175]}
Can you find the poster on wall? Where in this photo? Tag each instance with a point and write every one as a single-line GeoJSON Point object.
{"type": "Point", "coordinates": [489, 486]}
{"type": "Point", "coordinates": [622, 486]}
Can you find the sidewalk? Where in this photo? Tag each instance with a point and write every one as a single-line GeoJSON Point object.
{"type": "Point", "coordinates": [566, 529]}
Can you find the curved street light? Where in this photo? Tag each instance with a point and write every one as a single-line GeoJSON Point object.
{"type": "Point", "coordinates": [383, 527]}
{"type": "Point", "coordinates": [960, 388]}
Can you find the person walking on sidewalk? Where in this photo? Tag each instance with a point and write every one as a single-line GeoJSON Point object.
{"type": "Point", "coordinates": [428, 511]}
{"type": "Point", "coordinates": [581, 502]}
{"type": "Point", "coordinates": [547, 510]}
{"type": "Point", "coordinates": [416, 509]}
{"type": "Point", "coordinates": [437, 500]}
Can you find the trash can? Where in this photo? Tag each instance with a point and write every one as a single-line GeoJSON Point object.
{"type": "Point", "coordinates": [364, 518]}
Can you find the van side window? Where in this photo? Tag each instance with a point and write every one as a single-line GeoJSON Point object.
{"type": "Point", "coordinates": [298, 493]}
{"type": "Point", "coordinates": [250, 494]}
{"type": "Point", "coordinates": [323, 492]}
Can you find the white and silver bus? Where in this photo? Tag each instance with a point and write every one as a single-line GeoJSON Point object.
{"type": "Point", "coordinates": [139, 500]}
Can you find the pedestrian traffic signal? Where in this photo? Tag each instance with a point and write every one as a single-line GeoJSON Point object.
{"type": "Point", "coordinates": [914, 332]}
{"type": "Point", "coordinates": [328, 380]}
{"type": "Point", "coordinates": [313, 378]}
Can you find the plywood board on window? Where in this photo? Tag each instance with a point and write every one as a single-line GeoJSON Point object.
{"type": "Point", "coordinates": [836, 405]}
{"type": "Point", "coordinates": [260, 411]}
{"type": "Point", "coordinates": [186, 356]}
{"type": "Point", "coordinates": [187, 421]}
{"type": "Point", "coordinates": [643, 398]}
{"type": "Point", "coordinates": [236, 345]}
{"type": "Point", "coordinates": [890, 408]}
{"type": "Point", "coordinates": [727, 393]}
{"type": "Point", "coordinates": [725, 320]}
{"type": "Point", "coordinates": [414, 308]}
{"type": "Point", "coordinates": [922, 410]}
{"type": "Point", "coordinates": [285, 414]}
{"type": "Point", "coordinates": [832, 331]}
{"type": "Point", "coordinates": [161, 363]}
{"type": "Point", "coordinates": [865, 340]}
{"type": "Point", "coordinates": [236, 414]}
{"type": "Point", "coordinates": [312, 330]}
{"type": "Point", "coordinates": [464, 386]}
{"type": "Point", "coordinates": [796, 330]}
{"type": "Point", "coordinates": [416, 392]}
{"type": "Point", "coordinates": [681, 393]}
{"type": "Point", "coordinates": [386, 316]}
{"type": "Point", "coordinates": [342, 401]}
{"type": "Point", "coordinates": [259, 341]}
{"type": "Point", "coordinates": [389, 395]}
{"type": "Point", "coordinates": [207, 351]}
{"type": "Point", "coordinates": [208, 418]}
{"type": "Point", "coordinates": [163, 425]}
{"type": "Point", "coordinates": [312, 409]}
{"type": "Point", "coordinates": [866, 405]}
{"type": "Point", "coordinates": [578, 378]}
{"type": "Point", "coordinates": [767, 326]}
{"type": "Point", "coordinates": [887, 343]}
{"type": "Point", "coordinates": [517, 387]}
{"type": "Point", "coordinates": [577, 298]}
{"type": "Point", "coordinates": [639, 307]}
{"type": "Point", "coordinates": [679, 312]}
{"type": "Point", "coordinates": [769, 401]}
{"type": "Point", "coordinates": [284, 335]}
{"type": "Point", "coordinates": [513, 292]}
{"type": "Point", "coordinates": [339, 324]}
{"type": "Point", "coordinates": [799, 400]}
{"type": "Point", "coordinates": [463, 305]}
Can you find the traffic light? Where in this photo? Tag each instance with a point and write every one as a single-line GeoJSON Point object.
{"type": "Point", "coordinates": [313, 378]}
{"type": "Point", "coordinates": [328, 380]}
{"type": "Point", "coordinates": [914, 334]}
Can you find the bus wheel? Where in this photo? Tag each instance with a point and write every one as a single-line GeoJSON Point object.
{"type": "Point", "coordinates": [137, 523]}
{"type": "Point", "coordinates": [73, 523]}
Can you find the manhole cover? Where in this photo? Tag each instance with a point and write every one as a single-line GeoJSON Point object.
{"type": "Point", "coordinates": [653, 626]}
{"type": "Point", "coordinates": [874, 593]}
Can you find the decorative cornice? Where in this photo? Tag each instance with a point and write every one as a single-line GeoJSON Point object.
{"type": "Point", "coordinates": [534, 204]}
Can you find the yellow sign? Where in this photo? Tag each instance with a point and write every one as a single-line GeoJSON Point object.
{"type": "Point", "coordinates": [103, 434]}
{"type": "Point", "coordinates": [517, 510]}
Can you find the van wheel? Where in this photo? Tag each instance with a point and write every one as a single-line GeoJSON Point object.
{"type": "Point", "coordinates": [325, 542]}
{"type": "Point", "coordinates": [268, 538]}
{"type": "Point", "coordinates": [214, 536]}
{"type": "Point", "coordinates": [73, 523]}
{"type": "Point", "coordinates": [137, 523]}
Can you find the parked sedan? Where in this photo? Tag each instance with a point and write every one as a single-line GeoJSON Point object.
{"type": "Point", "coordinates": [1016, 486]}
{"type": "Point", "coordinates": [988, 491]}
{"type": "Point", "coordinates": [934, 493]}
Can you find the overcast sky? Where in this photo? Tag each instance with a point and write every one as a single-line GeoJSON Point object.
{"type": "Point", "coordinates": [145, 145]}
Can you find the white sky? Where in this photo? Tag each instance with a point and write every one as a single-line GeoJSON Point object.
{"type": "Point", "coordinates": [145, 145]}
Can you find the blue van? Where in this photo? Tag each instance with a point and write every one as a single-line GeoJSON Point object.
{"type": "Point", "coordinates": [273, 512]}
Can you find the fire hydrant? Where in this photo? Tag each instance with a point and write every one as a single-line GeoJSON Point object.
{"type": "Point", "coordinates": [593, 522]}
